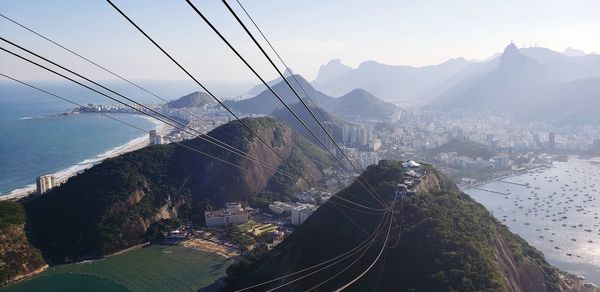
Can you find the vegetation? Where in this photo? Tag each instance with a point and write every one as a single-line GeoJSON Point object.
{"type": "Point", "coordinates": [130, 199]}
{"type": "Point", "coordinates": [11, 213]}
{"type": "Point", "coordinates": [156, 232]}
{"type": "Point", "coordinates": [238, 237]}
{"type": "Point", "coordinates": [17, 256]}
{"type": "Point", "coordinates": [446, 242]}
{"type": "Point", "coordinates": [466, 148]}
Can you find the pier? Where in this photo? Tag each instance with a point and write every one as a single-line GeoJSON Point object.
{"type": "Point", "coordinates": [513, 183]}
{"type": "Point", "coordinates": [490, 191]}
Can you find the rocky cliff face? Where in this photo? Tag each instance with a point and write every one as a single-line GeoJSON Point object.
{"type": "Point", "coordinates": [440, 240]}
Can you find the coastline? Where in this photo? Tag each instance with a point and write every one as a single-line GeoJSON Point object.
{"type": "Point", "coordinates": [65, 174]}
{"type": "Point", "coordinates": [579, 272]}
{"type": "Point", "coordinates": [211, 247]}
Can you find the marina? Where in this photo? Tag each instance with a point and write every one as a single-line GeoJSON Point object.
{"type": "Point", "coordinates": [556, 210]}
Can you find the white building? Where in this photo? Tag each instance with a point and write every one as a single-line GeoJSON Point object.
{"type": "Point", "coordinates": [44, 183]}
{"type": "Point", "coordinates": [301, 212]}
{"type": "Point", "coordinates": [280, 207]}
{"type": "Point", "coordinates": [234, 213]}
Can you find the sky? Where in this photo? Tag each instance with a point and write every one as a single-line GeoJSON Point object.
{"type": "Point", "coordinates": [306, 33]}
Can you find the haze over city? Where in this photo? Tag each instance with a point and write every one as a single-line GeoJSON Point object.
{"type": "Point", "coordinates": [307, 33]}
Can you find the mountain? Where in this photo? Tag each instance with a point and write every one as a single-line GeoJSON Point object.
{"type": "Point", "coordinates": [439, 239]}
{"type": "Point", "coordinates": [515, 76]}
{"type": "Point", "coordinates": [571, 52]}
{"type": "Point", "coordinates": [330, 71]}
{"type": "Point", "coordinates": [266, 102]}
{"type": "Point", "coordinates": [531, 84]}
{"type": "Point", "coordinates": [357, 103]}
{"type": "Point", "coordinates": [113, 205]}
{"type": "Point", "coordinates": [393, 83]}
{"type": "Point", "coordinates": [360, 103]}
{"type": "Point", "coordinates": [194, 99]}
{"type": "Point", "coordinates": [332, 123]}
{"type": "Point", "coordinates": [563, 68]}
{"type": "Point", "coordinates": [261, 87]}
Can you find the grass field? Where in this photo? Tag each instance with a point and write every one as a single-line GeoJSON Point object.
{"type": "Point", "coordinates": [153, 268]}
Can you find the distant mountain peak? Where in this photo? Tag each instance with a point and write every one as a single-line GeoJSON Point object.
{"type": "Point", "coordinates": [288, 72]}
{"type": "Point", "coordinates": [571, 52]}
{"type": "Point", "coordinates": [369, 63]}
{"type": "Point", "coordinates": [332, 70]}
{"type": "Point", "coordinates": [512, 59]}
{"type": "Point", "coordinates": [511, 49]}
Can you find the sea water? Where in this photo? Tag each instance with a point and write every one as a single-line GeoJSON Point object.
{"type": "Point", "coordinates": [34, 140]}
{"type": "Point", "coordinates": [556, 210]}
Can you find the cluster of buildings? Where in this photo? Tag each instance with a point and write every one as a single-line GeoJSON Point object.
{"type": "Point", "coordinates": [360, 137]}
{"type": "Point", "coordinates": [412, 175]}
{"type": "Point", "coordinates": [311, 196]}
{"type": "Point", "coordinates": [358, 157]}
{"type": "Point", "coordinates": [299, 211]}
{"type": "Point", "coordinates": [422, 130]}
{"type": "Point", "coordinates": [452, 159]}
{"type": "Point", "coordinates": [109, 108]}
{"type": "Point", "coordinates": [155, 139]}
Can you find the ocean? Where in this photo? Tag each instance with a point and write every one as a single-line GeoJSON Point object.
{"type": "Point", "coordinates": [35, 142]}
{"type": "Point", "coordinates": [556, 210]}
{"type": "Point", "coordinates": [153, 268]}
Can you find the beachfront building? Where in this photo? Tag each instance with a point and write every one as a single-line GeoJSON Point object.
{"type": "Point", "coordinates": [44, 183]}
{"type": "Point", "coordinates": [154, 138]}
{"type": "Point", "coordinates": [233, 213]}
{"type": "Point", "coordinates": [301, 212]}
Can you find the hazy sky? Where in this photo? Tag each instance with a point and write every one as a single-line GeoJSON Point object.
{"type": "Point", "coordinates": [306, 33]}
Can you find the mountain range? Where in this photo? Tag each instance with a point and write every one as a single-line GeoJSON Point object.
{"type": "Point", "coordinates": [358, 103]}
{"type": "Point", "coordinates": [437, 84]}
{"type": "Point", "coordinates": [390, 82]}
{"type": "Point", "coordinates": [532, 84]}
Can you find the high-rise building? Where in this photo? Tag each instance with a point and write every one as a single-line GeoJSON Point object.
{"type": "Point", "coordinates": [551, 140]}
{"type": "Point", "coordinates": [597, 145]}
{"type": "Point", "coordinates": [363, 136]}
{"type": "Point", "coordinates": [346, 133]}
{"type": "Point", "coordinates": [501, 162]}
{"type": "Point", "coordinates": [44, 183]}
{"type": "Point", "coordinates": [154, 138]}
{"type": "Point", "coordinates": [301, 212]}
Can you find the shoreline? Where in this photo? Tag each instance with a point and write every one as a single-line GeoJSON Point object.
{"type": "Point", "coordinates": [211, 247]}
{"type": "Point", "coordinates": [65, 174]}
{"type": "Point", "coordinates": [578, 272]}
